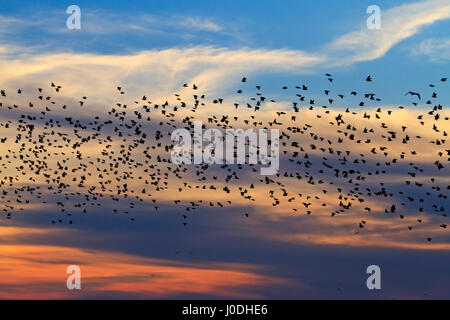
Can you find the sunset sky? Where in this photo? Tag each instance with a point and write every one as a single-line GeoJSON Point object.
{"type": "Point", "coordinates": [152, 48]}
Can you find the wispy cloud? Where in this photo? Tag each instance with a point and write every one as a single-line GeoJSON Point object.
{"type": "Point", "coordinates": [201, 24]}
{"type": "Point", "coordinates": [158, 71]}
{"type": "Point", "coordinates": [108, 23]}
{"type": "Point", "coordinates": [104, 22]}
{"type": "Point", "coordinates": [26, 274]}
{"type": "Point", "coordinates": [397, 24]}
{"type": "Point", "coordinates": [437, 49]}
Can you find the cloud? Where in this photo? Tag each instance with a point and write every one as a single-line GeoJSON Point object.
{"type": "Point", "coordinates": [157, 72]}
{"type": "Point", "coordinates": [437, 49]}
{"type": "Point", "coordinates": [201, 24]}
{"type": "Point", "coordinates": [214, 68]}
{"type": "Point", "coordinates": [39, 272]}
{"type": "Point", "coordinates": [108, 23]}
{"type": "Point", "coordinates": [103, 22]}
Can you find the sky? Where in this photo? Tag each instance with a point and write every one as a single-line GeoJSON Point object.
{"type": "Point", "coordinates": [152, 48]}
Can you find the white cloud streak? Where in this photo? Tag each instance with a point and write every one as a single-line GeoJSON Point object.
{"type": "Point", "coordinates": [397, 24]}
{"type": "Point", "coordinates": [437, 49]}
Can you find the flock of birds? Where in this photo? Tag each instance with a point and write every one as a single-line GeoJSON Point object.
{"type": "Point", "coordinates": [55, 158]}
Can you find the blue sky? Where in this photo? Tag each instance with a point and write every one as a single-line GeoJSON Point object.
{"type": "Point", "coordinates": [153, 48]}
{"type": "Point", "coordinates": [119, 27]}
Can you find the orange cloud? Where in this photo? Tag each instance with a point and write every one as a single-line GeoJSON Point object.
{"type": "Point", "coordinates": [39, 272]}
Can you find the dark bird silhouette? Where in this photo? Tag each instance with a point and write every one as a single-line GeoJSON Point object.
{"type": "Point", "coordinates": [413, 94]}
